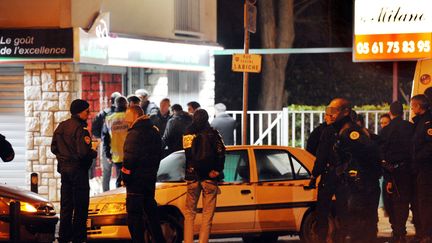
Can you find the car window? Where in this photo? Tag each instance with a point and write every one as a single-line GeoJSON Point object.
{"type": "Point", "coordinates": [172, 168]}
{"type": "Point", "coordinates": [299, 170]}
{"type": "Point", "coordinates": [236, 167]}
{"type": "Point", "coordinates": [273, 165]}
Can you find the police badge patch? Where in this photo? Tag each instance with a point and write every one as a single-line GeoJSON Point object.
{"type": "Point", "coordinates": [429, 131]}
{"type": "Point", "coordinates": [354, 135]}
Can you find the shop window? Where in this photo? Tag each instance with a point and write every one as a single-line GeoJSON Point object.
{"type": "Point", "coordinates": [187, 18]}
{"type": "Point", "coordinates": [183, 87]}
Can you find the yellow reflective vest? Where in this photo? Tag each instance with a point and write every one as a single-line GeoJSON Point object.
{"type": "Point", "coordinates": [117, 127]}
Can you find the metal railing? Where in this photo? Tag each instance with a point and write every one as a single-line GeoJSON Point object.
{"type": "Point", "coordinates": [290, 128]}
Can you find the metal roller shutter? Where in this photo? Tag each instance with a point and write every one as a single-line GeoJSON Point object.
{"type": "Point", "coordinates": [12, 123]}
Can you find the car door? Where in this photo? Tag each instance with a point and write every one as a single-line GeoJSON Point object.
{"type": "Point", "coordinates": [280, 196]}
{"type": "Point", "coordinates": [235, 207]}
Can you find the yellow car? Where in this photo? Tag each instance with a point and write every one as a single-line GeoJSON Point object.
{"type": "Point", "coordinates": [262, 196]}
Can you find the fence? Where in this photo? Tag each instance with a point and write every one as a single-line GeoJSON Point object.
{"type": "Point", "coordinates": [290, 128]}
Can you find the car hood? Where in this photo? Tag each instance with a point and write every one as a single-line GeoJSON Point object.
{"type": "Point", "coordinates": [20, 194]}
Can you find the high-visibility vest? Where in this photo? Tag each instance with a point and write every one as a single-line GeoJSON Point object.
{"type": "Point", "coordinates": [117, 128]}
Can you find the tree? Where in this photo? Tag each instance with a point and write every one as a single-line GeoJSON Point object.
{"type": "Point", "coordinates": [276, 29]}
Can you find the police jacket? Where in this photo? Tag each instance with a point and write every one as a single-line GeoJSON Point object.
{"type": "Point", "coordinates": [225, 125]}
{"type": "Point", "coordinates": [204, 156]}
{"type": "Point", "coordinates": [422, 141]}
{"type": "Point", "coordinates": [344, 144]}
{"type": "Point", "coordinates": [72, 146]}
{"type": "Point", "coordinates": [396, 142]}
{"type": "Point", "coordinates": [314, 138]}
{"type": "Point", "coordinates": [142, 152]}
{"type": "Point", "coordinates": [176, 126]}
{"type": "Point", "coordinates": [99, 120]}
{"type": "Point", "coordinates": [6, 151]}
{"type": "Point", "coordinates": [114, 134]}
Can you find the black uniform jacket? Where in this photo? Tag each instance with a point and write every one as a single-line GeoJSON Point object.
{"type": "Point", "coordinates": [396, 141]}
{"type": "Point", "coordinates": [314, 138]}
{"type": "Point", "coordinates": [422, 140]}
{"type": "Point", "coordinates": [142, 153]}
{"type": "Point", "coordinates": [72, 146]}
{"type": "Point", "coordinates": [174, 130]}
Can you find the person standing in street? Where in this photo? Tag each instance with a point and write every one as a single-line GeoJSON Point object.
{"type": "Point", "coordinates": [142, 155]}
{"type": "Point", "coordinates": [205, 158]}
{"type": "Point", "coordinates": [149, 107]}
{"type": "Point", "coordinates": [176, 126]}
{"type": "Point", "coordinates": [224, 123]}
{"type": "Point", "coordinates": [422, 167]}
{"type": "Point", "coordinates": [72, 146]}
{"type": "Point", "coordinates": [314, 137]}
{"type": "Point", "coordinates": [114, 135]}
{"type": "Point", "coordinates": [160, 119]}
{"type": "Point", "coordinates": [395, 147]}
{"type": "Point", "coordinates": [97, 127]}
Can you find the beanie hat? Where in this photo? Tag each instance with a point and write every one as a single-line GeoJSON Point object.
{"type": "Point", "coordinates": [78, 106]}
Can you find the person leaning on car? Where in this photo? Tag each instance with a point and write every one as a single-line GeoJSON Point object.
{"type": "Point", "coordinates": [6, 151]}
{"type": "Point", "coordinates": [205, 158]}
{"type": "Point", "coordinates": [142, 155]}
{"type": "Point", "coordinates": [72, 146]}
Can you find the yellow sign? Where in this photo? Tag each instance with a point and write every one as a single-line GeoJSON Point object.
{"type": "Point", "coordinates": [246, 63]}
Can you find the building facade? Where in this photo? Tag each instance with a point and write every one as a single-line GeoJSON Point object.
{"type": "Point", "coordinates": [60, 50]}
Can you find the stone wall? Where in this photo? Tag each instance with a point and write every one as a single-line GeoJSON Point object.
{"type": "Point", "coordinates": [49, 90]}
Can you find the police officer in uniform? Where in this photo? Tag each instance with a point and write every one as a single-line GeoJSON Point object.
{"type": "Point", "coordinates": [142, 155]}
{"type": "Point", "coordinates": [72, 146]}
{"type": "Point", "coordinates": [395, 147]}
{"type": "Point", "coordinates": [422, 166]}
{"type": "Point", "coordinates": [330, 184]}
{"type": "Point", "coordinates": [349, 169]}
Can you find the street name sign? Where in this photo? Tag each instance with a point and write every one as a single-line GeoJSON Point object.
{"type": "Point", "coordinates": [250, 63]}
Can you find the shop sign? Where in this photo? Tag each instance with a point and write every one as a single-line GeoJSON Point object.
{"type": "Point", "coordinates": [20, 45]}
{"type": "Point", "coordinates": [390, 30]}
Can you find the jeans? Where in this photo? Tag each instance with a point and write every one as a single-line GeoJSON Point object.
{"type": "Point", "coordinates": [74, 203]}
{"type": "Point", "coordinates": [209, 191]}
{"type": "Point", "coordinates": [106, 174]}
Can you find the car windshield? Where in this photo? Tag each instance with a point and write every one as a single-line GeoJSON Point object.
{"type": "Point", "coordinates": [172, 168]}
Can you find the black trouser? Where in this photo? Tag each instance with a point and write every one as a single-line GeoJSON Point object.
{"type": "Point", "coordinates": [331, 185]}
{"type": "Point", "coordinates": [140, 203]}
{"type": "Point", "coordinates": [74, 206]}
{"type": "Point", "coordinates": [399, 200]}
{"type": "Point", "coordinates": [363, 210]}
{"type": "Point", "coordinates": [423, 199]}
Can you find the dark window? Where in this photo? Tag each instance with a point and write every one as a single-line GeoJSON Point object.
{"type": "Point", "coordinates": [273, 165]}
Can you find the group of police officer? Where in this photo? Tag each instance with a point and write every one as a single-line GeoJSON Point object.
{"type": "Point", "coordinates": [350, 164]}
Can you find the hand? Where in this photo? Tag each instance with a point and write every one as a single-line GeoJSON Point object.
{"type": "Point", "coordinates": [95, 144]}
{"type": "Point", "coordinates": [213, 174]}
{"type": "Point", "coordinates": [389, 188]}
{"type": "Point", "coordinates": [312, 184]}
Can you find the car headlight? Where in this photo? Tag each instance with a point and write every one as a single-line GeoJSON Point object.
{"type": "Point", "coordinates": [27, 207]}
{"type": "Point", "coordinates": [112, 208]}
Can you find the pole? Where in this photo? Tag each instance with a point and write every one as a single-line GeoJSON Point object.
{"type": "Point", "coordinates": [395, 82]}
{"type": "Point", "coordinates": [245, 76]}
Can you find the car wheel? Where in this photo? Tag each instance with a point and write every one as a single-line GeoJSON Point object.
{"type": "Point", "coordinates": [308, 231]}
{"type": "Point", "coordinates": [172, 229]}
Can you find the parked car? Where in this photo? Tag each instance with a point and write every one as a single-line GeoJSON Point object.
{"type": "Point", "coordinates": [37, 215]}
{"type": "Point", "coordinates": [262, 196]}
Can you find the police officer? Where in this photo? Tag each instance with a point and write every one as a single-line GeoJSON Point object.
{"type": "Point", "coordinates": [72, 146]}
{"type": "Point", "coordinates": [395, 147]}
{"type": "Point", "coordinates": [422, 166]}
{"type": "Point", "coordinates": [330, 184]}
{"type": "Point", "coordinates": [348, 164]}
{"type": "Point", "coordinates": [142, 155]}
{"type": "Point", "coordinates": [314, 137]}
